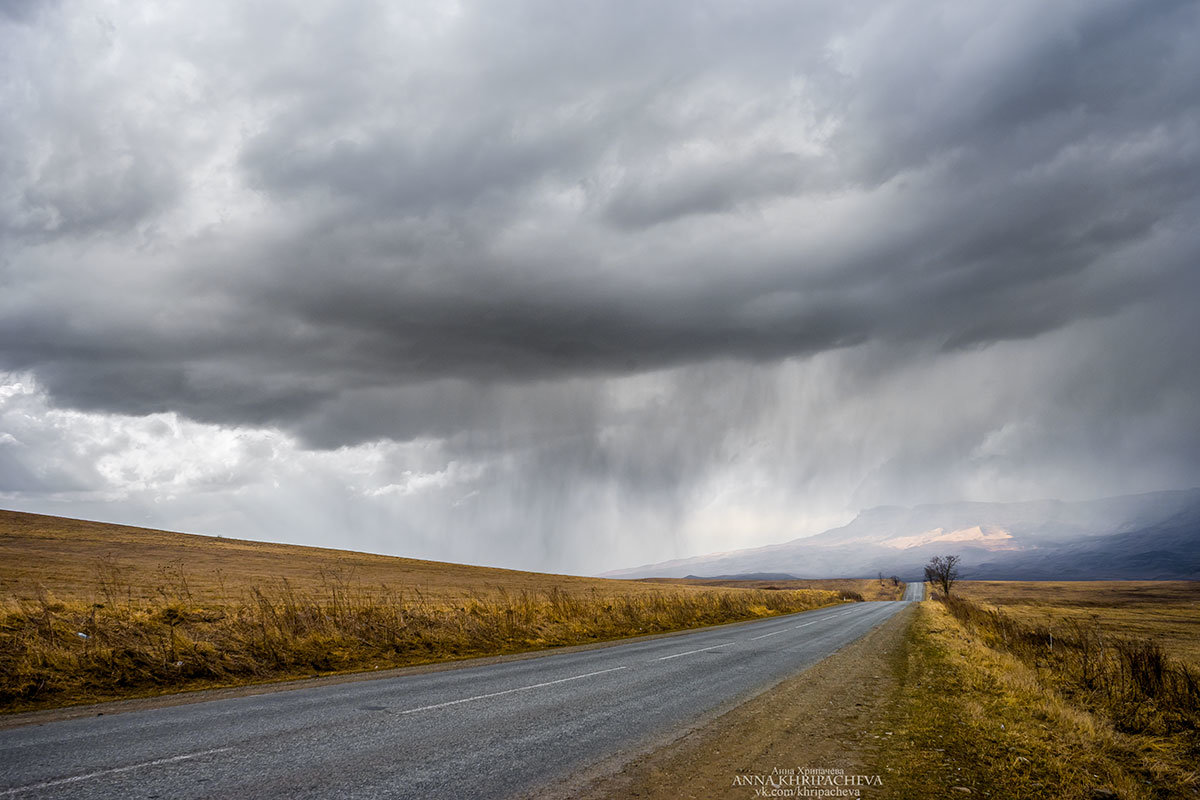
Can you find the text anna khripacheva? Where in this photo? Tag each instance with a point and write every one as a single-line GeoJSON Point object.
{"type": "Point", "coordinates": [806, 782]}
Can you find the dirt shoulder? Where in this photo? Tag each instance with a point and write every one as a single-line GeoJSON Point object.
{"type": "Point", "coordinates": [825, 718]}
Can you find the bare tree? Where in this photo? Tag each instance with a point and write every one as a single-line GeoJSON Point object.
{"type": "Point", "coordinates": [895, 579]}
{"type": "Point", "coordinates": [942, 571]}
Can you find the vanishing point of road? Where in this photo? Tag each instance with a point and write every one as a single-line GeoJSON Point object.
{"type": "Point", "coordinates": [484, 731]}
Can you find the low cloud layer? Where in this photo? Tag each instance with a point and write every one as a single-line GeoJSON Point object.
{"type": "Point", "coordinates": [593, 285]}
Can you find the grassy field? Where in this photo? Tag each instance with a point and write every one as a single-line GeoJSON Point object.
{"type": "Point", "coordinates": [92, 612]}
{"type": "Point", "coordinates": [1004, 701]}
{"type": "Point", "coordinates": [860, 588]}
{"type": "Point", "coordinates": [1166, 611]}
{"type": "Point", "coordinates": [72, 559]}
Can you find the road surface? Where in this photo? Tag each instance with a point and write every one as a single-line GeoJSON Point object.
{"type": "Point", "coordinates": [488, 731]}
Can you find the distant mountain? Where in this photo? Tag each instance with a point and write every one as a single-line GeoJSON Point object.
{"type": "Point", "coordinates": [1146, 536]}
{"type": "Point", "coordinates": [746, 576]}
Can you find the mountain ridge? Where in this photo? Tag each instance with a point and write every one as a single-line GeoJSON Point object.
{"type": "Point", "coordinates": [1148, 535]}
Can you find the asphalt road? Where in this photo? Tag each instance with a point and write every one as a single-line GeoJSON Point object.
{"type": "Point", "coordinates": [488, 731]}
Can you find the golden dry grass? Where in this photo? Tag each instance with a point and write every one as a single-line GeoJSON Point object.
{"type": "Point", "coordinates": [92, 612]}
{"type": "Point", "coordinates": [1166, 611]}
{"type": "Point", "coordinates": [968, 715]}
{"type": "Point", "coordinates": [66, 558]}
{"type": "Point", "coordinates": [864, 588]}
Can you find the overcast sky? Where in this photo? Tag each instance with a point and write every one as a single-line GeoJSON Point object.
{"type": "Point", "coordinates": [574, 286]}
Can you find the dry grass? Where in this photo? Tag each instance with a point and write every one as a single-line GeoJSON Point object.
{"type": "Point", "coordinates": [972, 716]}
{"type": "Point", "coordinates": [93, 612]}
{"type": "Point", "coordinates": [61, 556]}
{"type": "Point", "coordinates": [1166, 611]}
{"type": "Point", "coordinates": [852, 588]}
{"type": "Point", "coordinates": [1130, 681]}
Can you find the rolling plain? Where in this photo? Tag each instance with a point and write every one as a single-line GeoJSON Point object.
{"type": "Point", "coordinates": [93, 612]}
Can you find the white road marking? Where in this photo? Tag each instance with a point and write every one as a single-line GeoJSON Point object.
{"type": "Point", "coordinates": [77, 778]}
{"type": "Point", "coordinates": [823, 619]}
{"type": "Point", "coordinates": [508, 691]}
{"type": "Point", "coordinates": [765, 635]}
{"type": "Point", "coordinates": [689, 652]}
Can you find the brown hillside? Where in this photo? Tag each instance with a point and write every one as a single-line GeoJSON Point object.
{"type": "Point", "coordinates": [69, 558]}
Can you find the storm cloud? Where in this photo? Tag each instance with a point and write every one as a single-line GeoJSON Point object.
{"type": "Point", "coordinates": [593, 284]}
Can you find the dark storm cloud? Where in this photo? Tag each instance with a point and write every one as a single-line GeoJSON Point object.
{"type": "Point", "coordinates": [20, 10]}
{"type": "Point", "coordinates": [541, 194]}
{"type": "Point", "coordinates": [604, 256]}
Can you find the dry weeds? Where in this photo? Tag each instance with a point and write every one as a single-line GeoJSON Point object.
{"type": "Point", "coordinates": [1166, 611]}
{"type": "Point", "coordinates": [969, 713]}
